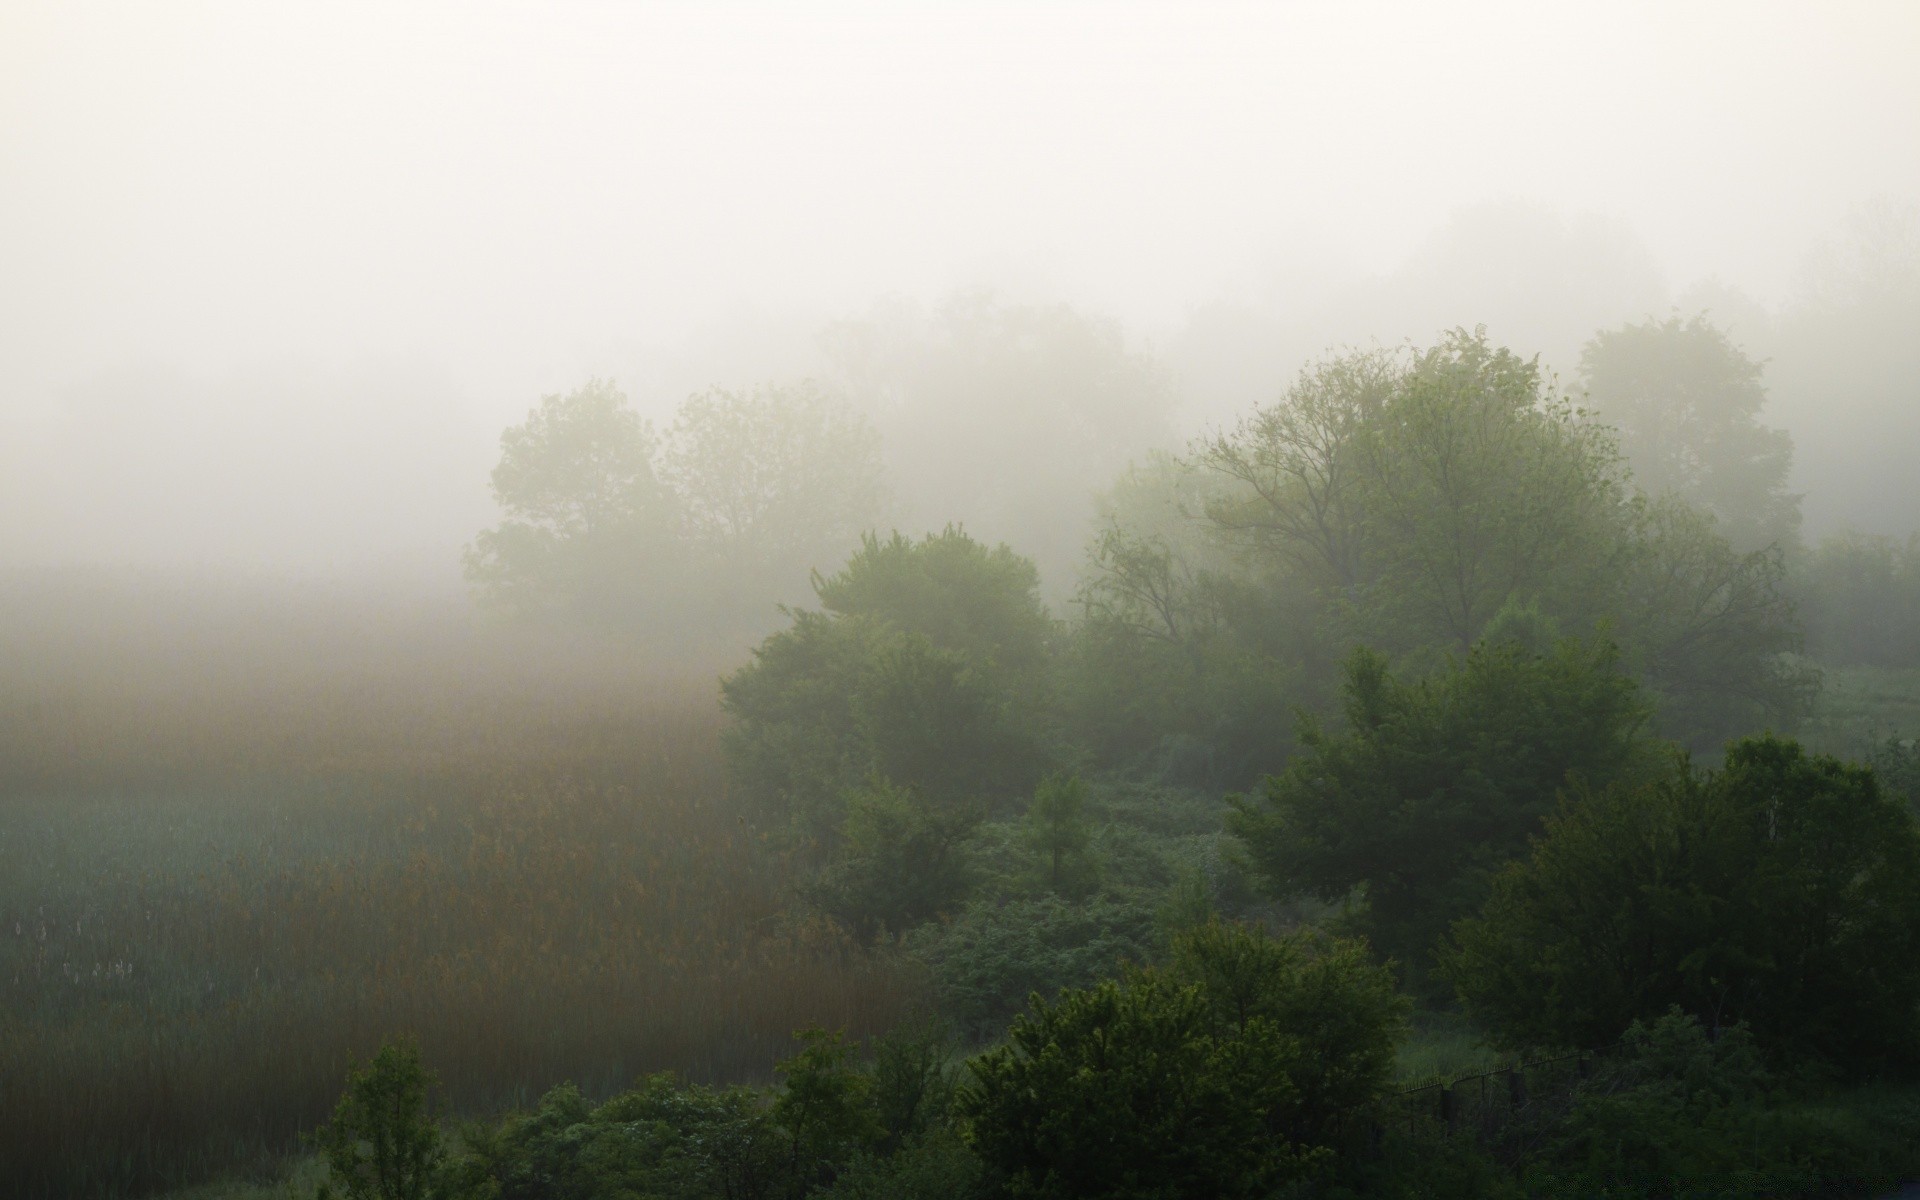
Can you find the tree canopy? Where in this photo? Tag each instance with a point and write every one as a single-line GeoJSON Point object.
{"type": "Point", "coordinates": [1433, 785]}
{"type": "Point", "coordinates": [1782, 891]}
{"type": "Point", "coordinates": [1686, 402]}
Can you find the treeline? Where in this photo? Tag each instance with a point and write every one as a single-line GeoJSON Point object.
{"type": "Point", "coordinates": [1450, 641]}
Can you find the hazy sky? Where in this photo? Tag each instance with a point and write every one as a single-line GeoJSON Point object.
{"type": "Point", "coordinates": [499, 198]}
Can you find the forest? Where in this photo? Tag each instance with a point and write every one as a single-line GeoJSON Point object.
{"type": "Point", "coordinates": [959, 601]}
{"type": "Point", "coordinates": [1439, 780]}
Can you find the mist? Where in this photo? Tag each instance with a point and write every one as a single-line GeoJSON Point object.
{"type": "Point", "coordinates": [277, 280]}
{"type": "Point", "coordinates": [687, 599]}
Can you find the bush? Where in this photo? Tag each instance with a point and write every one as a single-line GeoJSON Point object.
{"type": "Point", "coordinates": [1435, 784]}
{"type": "Point", "coordinates": [1241, 1066]}
{"type": "Point", "coordinates": [1783, 891]}
{"type": "Point", "coordinates": [990, 958]}
{"type": "Point", "coordinates": [901, 862]}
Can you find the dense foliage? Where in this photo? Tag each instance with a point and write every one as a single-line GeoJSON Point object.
{"type": "Point", "coordinates": [1782, 892]}
{"type": "Point", "coordinates": [1433, 785]}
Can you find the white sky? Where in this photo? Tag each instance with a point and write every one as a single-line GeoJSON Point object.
{"type": "Point", "coordinates": [501, 193]}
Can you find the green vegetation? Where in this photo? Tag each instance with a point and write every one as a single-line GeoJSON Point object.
{"type": "Point", "coordinates": [1343, 840]}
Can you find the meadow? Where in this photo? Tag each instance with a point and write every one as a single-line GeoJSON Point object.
{"type": "Point", "coordinates": [244, 840]}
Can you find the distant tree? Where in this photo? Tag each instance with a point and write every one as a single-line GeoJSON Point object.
{"type": "Point", "coordinates": [1434, 785]}
{"type": "Point", "coordinates": [1006, 416]}
{"type": "Point", "coordinates": [589, 526]}
{"type": "Point", "coordinates": [1422, 495]}
{"type": "Point", "coordinates": [1711, 630]}
{"type": "Point", "coordinates": [784, 474]}
{"type": "Point", "coordinates": [1783, 891]}
{"type": "Point", "coordinates": [1686, 402]}
{"type": "Point", "coordinates": [1861, 597]}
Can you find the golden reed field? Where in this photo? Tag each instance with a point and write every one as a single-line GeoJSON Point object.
{"type": "Point", "coordinates": [244, 838]}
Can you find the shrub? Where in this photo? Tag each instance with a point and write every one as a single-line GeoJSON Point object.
{"type": "Point", "coordinates": [1783, 891]}
{"type": "Point", "coordinates": [990, 958]}
{"type": "Point", "coordinates": [1247, 1062]}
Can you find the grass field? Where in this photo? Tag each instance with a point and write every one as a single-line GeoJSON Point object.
{"type": "Point", "coordinates": [238, 850]}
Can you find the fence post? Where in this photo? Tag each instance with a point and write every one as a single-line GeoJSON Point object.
{"type": "Point", "coordinates": [1449, 1113]}
{"type": "Point", "coordinates": [1516, 1088]}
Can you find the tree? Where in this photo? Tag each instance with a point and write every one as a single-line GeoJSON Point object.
{"type": "Point", "coordinates": [1057, 830]}
{"type": "Point", "coordinates": [1420, 495]}
{"type": "Point", "coordinates": [1861, 595]}
{"type": "Point", "coordinates": [1435, 784]}
{"type": "Point", "coordinates": [1686, 402]}
{"type": "Point", "coordinates": [381, 1142]}
{"type": "Point", "coordinates": [825, 1110]}
{"type": "Point", "coordinates": [786, 474]}
{"type": "Point", "coordinates": [1782, 891]}
{"type": "Point", "coordinates": [924, 670]}
{"type": "Point", "coordinates": [1007, 416]}
{"type": "Point", "coordinates": [901, 861]}
{"type": "Point", "coordinates": [962, 596]}
{"type": "Point", "coordinates": [589, 526]}
{"type": "Point", "coordinates": [1710, 629]}
{"type": "Point", "coordinates": [1241, 1067]}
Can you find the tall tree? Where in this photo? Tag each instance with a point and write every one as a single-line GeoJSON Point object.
{"type": "Point", "coordinates": [589, 525]}
{"type": "Point", "coordinates": [1433, 785]}
{"type": "Point", "coordinates": [1686, 402]}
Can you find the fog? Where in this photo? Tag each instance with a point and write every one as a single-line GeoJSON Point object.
{"type": "Point", "coordinates": [278, 277]}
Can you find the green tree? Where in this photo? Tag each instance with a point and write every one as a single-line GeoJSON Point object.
{"type": "Point", "coordinates": [901, 861]}
{"type": "Point", "coordinates": [1686, 402]}
{"type": "Point", "coordinates": [1420, 495]}
{"type": "Point", "coordinates": [589, 527]}
{"type": "Point", "coordinates": [382, 1142]}
{"type": "Point", "coordinates": [1782, 891]}
{"type": "Point", "coordinates": [1246, 1064]}
{"type": "Point", "coordinates": [825, 1109]}
{"type": "Point", "coordinates": [783, 474]}
{"type": "Point", "coordinates": [1339, 1007]}
{"type": "Point", "coordinates": [1056, 829]}
{"type": "Point", "coordinates": [1709, 629]}
{"type": "Point", "coordinates": [1126, 1091]}
{"type": "Point", "coordinates": [1435, 784]}
{"type": "Point", "coordinates": [962, 596]}
{"type": "Point", "coordinates": [925, 669]}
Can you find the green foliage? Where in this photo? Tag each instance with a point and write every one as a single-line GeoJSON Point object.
{"type": "Point", "coordinates": [1783, 891]}
{"type": "Point", "coordinates": [381, 1142]}
{"type": "Point", "coordinates": [584, 510]}
{"type": "Point", "coordinates": [1710, 629]}
{"type": "Point", "coordinates": [1127, 1090]}
{"type": "Point", "coordinates": [1241, 1066]}
{"type": "Point", "coordinates": [921, 670]}
{"type": "Point", "coordinates": [1861, 598]}
{"type": "Point", "coordinates": [1686, 402]}
{"type": "Point", "coordinates": [1435, 784]}
{"type": "Point", "coordinates": [1057, 830]}
{"type": "Point", "coordinates": [660, 1139]}
{"type": "Point", "coordinates": [1341, 1010]}
{"type": "Point", "coordinates": [824, 1111]}
{"type": "Point", "coordinates": [994, 954]}
{"type": "Point", "coordinates": [982, 604]}
{"type": "Point", "coordinates": [901, 861]}
{"type": "Point", "coordinates": [1420, 496]}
